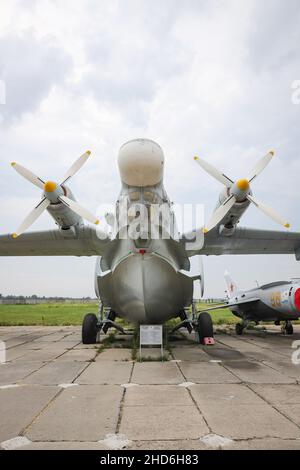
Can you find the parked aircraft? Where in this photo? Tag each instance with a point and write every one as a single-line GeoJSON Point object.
{"type": "Point", "coordinates": [275, 302]}
{"type": "Point", "coordinates": [145, 279]}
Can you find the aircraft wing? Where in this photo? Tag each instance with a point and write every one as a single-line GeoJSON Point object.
{"type": "Point", "coordinates": [245, 241]}
{"type": "Point", "coordinates": [236, 304]}
{"type": "Point", "coordinates": [84, 241]}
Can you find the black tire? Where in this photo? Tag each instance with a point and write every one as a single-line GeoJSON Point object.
{"type": "Point", "coordinates": [89, 329]}
{"type": "Point", "coordinates": [289, 329]}
{"type": "Point", "coordinates": [205, 327]}
{"type": "Point", "coordinates": [239, 329]}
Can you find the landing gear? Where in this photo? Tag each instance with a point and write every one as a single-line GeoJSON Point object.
{"type": "Point", "coordinates": [92, 325]}
{"type": "Point", "coordinates": [239, 328]}
{"type": "Point", "coordinates": [287, 328]}
{"type": "Point", "coordinates": [185, 323]}
{"type": "Point", "coordinates": [205, 329]}
{"type": "Point", "coordinates": [90, 329]}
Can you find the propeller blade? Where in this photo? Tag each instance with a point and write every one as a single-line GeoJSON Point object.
{"type": "Point", "coordinates": [76, 166]}
{"type": "Point", "coordinates": [268, 211]}
{"type": "Point", "coordinates": [220, 213]}
{"type": "Point", "coordinates": [261, 165]}
{"type": "Point", "coordinates": [32, 216]}
{"type": "Point", "coordinates": [212, 171]}
{"type": "Point", "coordinates": [28, 175]}
{"type": "Point", "coordinates": [78, 209]}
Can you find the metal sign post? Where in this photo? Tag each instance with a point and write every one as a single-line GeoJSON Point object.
{"type": "Point", "coordinates": [151, 335]}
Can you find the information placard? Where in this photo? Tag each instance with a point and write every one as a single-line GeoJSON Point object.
{"type": "Point", "coordinates": [151, 335]}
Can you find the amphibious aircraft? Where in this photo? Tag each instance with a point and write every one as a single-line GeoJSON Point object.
{"type": "Point", "coordinates": [145, 278]}
{"type": "Point", "coordinates": [274, 302]}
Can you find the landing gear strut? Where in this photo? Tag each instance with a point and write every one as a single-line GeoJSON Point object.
{"type": "Point", "coordinates": [287, 328]}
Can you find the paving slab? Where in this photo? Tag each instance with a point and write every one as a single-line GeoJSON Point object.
{"type": "Point", "coordinates": [149, 354]}
{"type": "Point", "coordinates": [13, 372]}
{"type": "Point", "coordinates": [55, 373]}
{"type": "Point", "coordinates": [278, 394]}
{"type": "Point", "coordinates": [251, 396]}
{"type": "Point", "coordinates": [244, 416]}
{"type": "Point", "coordinates": [156, 373]}
{"type": "Point", "coordinates": [115, 354]}
{"type": "Point", "coordinates": [285, 367]}
{"type": "Point", "coordinates": [15, 353]}
{"type": "Point", "coordinates": [61, 344]}
{"type": "Point", "coordinates": [206, 373]}
{"type": "Point", "coordinates": [254, 372]}
{"type": "Point", "coordinates": [223, 353]}
{"type": "Point", "coordinates": [172, 444]}
{"type": "Point", "coordinates": [85, 413]}
{"type": "Point", "coordinates": [42, 355]}
{"type": "Point", "coordinates": [106, 372]}
{"type": "Point", "coordinates": [162, 422]}
{"type": "Point", "coordinates": [19, 406]}
{"type": "Point", "coordinates": [285, 398]}
{"type": "Point", "coordinates": [157, 395]}
{"type": "Point", "coordinates": [266, 444]}
{"type": "Point", "coordinates": [72, 445]}
{"type": "Point", "coordinates": [81, 355]}
{"type": "Point", "coordinates": [190, 354]}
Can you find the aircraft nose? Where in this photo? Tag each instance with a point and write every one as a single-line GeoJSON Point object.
{"type": "Point", "coordinates": [147, 287]}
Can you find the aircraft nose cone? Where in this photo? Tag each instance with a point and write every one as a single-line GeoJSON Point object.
{"type": "Point", "coordinates": [147, 287]}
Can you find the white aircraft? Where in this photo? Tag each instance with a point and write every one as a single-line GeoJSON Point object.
{"type": "Point", "coordinates": [140, 276]}
{"type": "Point", "coordinates": [274, 302]}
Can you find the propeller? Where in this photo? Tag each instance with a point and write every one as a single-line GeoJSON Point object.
{"type": "Point", "coordinates": [239, 191]}
{"type": "Point", "coordinates": [53, 193]}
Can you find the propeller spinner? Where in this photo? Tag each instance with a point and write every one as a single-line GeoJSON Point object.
{"type": "Point", "coordinates": [239, 191]}
{"type": "Point", "coordinates": [53, 193]}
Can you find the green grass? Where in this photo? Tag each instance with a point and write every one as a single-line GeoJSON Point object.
{"type": "Point", "coordinates": [45, 314]}
{"type": "Point", "coordinates": [220, 317]}
{"type": "Point", "coordinates": [72, 314]}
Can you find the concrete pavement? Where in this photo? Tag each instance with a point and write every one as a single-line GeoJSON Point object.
{"type": "Point", "coordinates": [55, 393]}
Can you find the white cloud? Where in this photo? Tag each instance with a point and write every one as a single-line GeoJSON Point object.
{"type": "Point", "coordinates": [200, 77]}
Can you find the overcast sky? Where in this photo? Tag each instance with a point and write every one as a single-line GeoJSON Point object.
{"type": "Point", "coordinates": [206, 77]}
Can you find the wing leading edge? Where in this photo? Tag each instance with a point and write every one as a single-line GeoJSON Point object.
{"type": "Point", "coordinates": [247, 241]}
{"type": "Point", "coordinates": [236, 304]}
{"type": "Point", "coordinates": [85, 241]}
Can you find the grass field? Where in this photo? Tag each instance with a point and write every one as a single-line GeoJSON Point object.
{"type": "Point", "coordinates": [45, 314]}
{"type": "Point", "coordinates": [72, 314]}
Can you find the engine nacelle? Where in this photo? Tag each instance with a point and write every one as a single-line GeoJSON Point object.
{"type": "Point", "coordinates": [236, 212]}
{"type": "Point", "coordinates": [63, 216]}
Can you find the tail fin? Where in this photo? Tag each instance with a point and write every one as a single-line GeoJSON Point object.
{"type": "Point", "coordinates": [232, 288]}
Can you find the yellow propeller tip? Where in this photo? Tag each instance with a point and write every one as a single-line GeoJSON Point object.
{"type": "Point", "coordinates": [205, 230]}
{"type": "Point", "coordinates": [97, 222]}
{"type": "Point", "coordinates": [272, 152]}
{"type": "Point", "coordinates": [196, 158]}
{"type": "Point", "coordinates": [287, 225]}
{"type": "Point", "coordinates": [13, 163]}
{"type": "Point", "coordinates": [88, 152]}
{"type": "Point", "coordinates": [15, 235]}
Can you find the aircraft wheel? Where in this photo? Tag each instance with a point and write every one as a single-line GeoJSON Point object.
{"type": "Point", "coordinates": [239, 328]}
{"type": "Point", "coordinates": [89, 329]}
{"type": "Point", "coordinates": [289, 329]}
{"type": "Point", "coordinates": [205, 328]}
